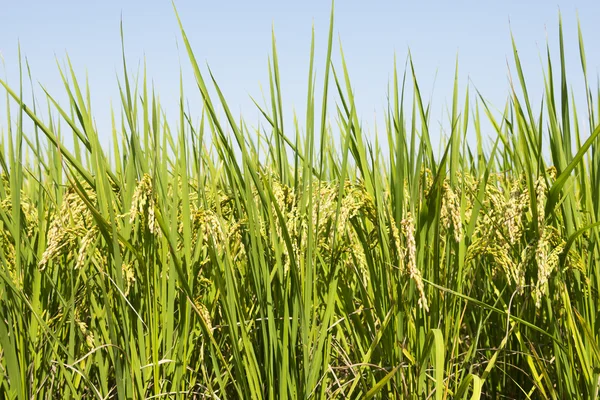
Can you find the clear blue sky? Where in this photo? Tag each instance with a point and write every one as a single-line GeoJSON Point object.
{"type": "Point", "coordinates": [234, 38]}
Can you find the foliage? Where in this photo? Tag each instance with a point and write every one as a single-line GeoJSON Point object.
{"type": "Point", "coordinates": [212, 260]}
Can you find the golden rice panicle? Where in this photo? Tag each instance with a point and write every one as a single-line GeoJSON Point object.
{"type": "Point", "coordinates": [285, 198]}
{"type": "Point", "coordinates": [83, 326]}
{"type": "Point", "coordinates": [209, 229]}
{"type": "Point", "coordinates": [408, 227]}
{"type": "Point", "coordinates": [234, 238]}
{"type": "Point", "coordinates": [143, 204]}
{"type": "Point", "coordinates": [325, 196]}
{"type": "Point", "coordinates": [540, 193]}
{"type": "Point", "coordinates": [541, 251]}
{"type": "Point", "coordinates": [86, 242]}
{"type": "Point", "coordinates": [356, 200]}
{"type": "Point", "coordinates": [499, 227]}
{"type": "Point", "coordinates": [8, 247]}
{"type": "Point", "coordinates": [28, 211]}
{"type": "Point", "coordinates": [395, 232]}
{"type": "Point", "coordinates": [466, 190]}
{"type": "Point", "coordinates": [207, 225]}
{"type": "Point", "coordinates": [70, 223]}
{"type": "Point", "coordinates": [515, 207]}
{"type": "Point", "coordinates": [548, 251]}
{"type": "Point", "coordinates": [203, 312]}
{"type": "Point", "coordinates": [129, 275]}
{"type": "Point", "coordinates": [426, 179]}
{"type": "Point", "coordinates": [450, 212]}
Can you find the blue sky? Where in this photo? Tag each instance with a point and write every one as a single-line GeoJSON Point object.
{"type": "Point", "coordinates": [234, 38]}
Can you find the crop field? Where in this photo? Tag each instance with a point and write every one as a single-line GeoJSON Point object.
{"type": "Point", "coordinates": [302, 260]}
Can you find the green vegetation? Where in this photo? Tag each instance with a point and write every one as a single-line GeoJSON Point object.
{"type": "Point", "coordinates": [214, 260]}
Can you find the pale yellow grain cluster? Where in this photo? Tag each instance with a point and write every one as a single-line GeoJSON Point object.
{"type": "Point", "coordinates": [72, 230]}
{"type": "Point", "coordinates": [549, 246]}
{"type": "Point", "coordinates": [29, 227]}
{"type": "Point", "coordinates": [143, 205]}
{"type": "Point", "coordinates": [331, 230]}
{"type": "Point", "coordinates": [500, 226]}
{"type": "Point", "coordinates": [408, 227]}
{"type": "Point", "coordinates": [128, 271]}
{"type": "Point", "coordinates": [500, 234]}
{"type": "Point", "coordinates": [450, 214]}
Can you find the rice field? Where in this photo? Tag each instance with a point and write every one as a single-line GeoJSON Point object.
{"type": "Point", "coordinates": [210, 259]}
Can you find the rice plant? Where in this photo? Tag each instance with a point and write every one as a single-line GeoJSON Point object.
{"type": "Point", "coordinates": [213, 259]}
